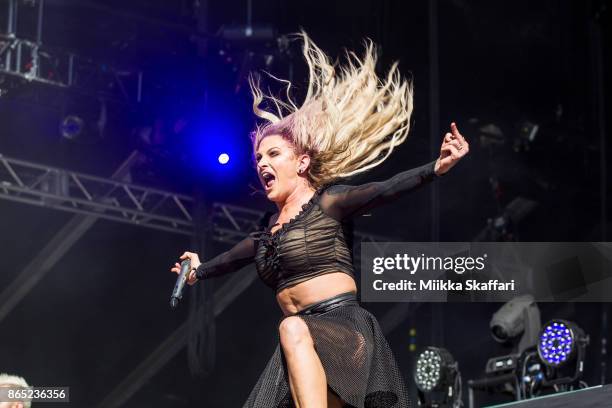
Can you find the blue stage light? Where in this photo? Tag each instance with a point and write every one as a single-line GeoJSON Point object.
{"type": "Point", "coordinates": [557, 342]}
{"type": "Point", "coordinates": [219, 145]}
{"type": "Point", "coordinates": [71, 127]}
{"type": "Point", "coordinates": [223, 158]}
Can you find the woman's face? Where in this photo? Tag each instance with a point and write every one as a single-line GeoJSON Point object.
{"type": "Point", "coordinates": [277, 167]}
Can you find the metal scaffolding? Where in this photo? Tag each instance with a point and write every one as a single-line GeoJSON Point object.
{"type": "Point", "coordinates": [29, 60]}
{"type": "Point", "coordinates": [47, 186]}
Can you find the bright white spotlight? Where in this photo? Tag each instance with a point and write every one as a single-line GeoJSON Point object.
{"type": "Point", "coordinates": [437, 378]}
{"type": "Point", "coordinates": [223, 158]}
{"type": "Point", "coordinates": [428, 370]}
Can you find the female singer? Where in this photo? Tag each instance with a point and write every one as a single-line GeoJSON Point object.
{"type": "Point", "coordinates": [331, 351]}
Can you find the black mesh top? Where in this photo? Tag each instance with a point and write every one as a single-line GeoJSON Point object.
{"type": "Point", "coordinates": [317, 240]}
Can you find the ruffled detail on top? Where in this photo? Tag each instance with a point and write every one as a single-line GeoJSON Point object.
{"type": "Point", "coordinates": [271, 240]}
{"type": "Point", "coordinates": [266, 234]}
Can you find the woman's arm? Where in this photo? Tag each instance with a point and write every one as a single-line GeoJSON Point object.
{"type": "Point", "coordinates": [343, 201]}
{"type": "Point", "coordinates": [229, 261]}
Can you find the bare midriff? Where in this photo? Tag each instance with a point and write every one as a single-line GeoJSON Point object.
{"type": "Point", "coordinates": [294, 298]}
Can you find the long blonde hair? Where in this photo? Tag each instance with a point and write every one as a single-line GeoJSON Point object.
{"type": "Point", "coordinates": [350, 120]}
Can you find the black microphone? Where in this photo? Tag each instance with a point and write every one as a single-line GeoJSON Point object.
{"type": "Point", "coordinates": [177, 293]}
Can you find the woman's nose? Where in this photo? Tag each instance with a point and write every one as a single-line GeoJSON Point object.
{"type": "Point", "coordinates": [261, 165]}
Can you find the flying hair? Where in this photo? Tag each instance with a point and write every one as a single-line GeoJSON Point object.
{"type": "Point", "coordinates": [350, 120]}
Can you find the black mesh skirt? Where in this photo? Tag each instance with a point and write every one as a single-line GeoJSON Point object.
{"type": "Point", "coordinates": [359, 365]}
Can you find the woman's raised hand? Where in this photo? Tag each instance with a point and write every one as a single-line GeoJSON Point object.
{"type": "Point", "coordinates": [195, 262]}
{"type": "Point", "coordinates": [454, 147]}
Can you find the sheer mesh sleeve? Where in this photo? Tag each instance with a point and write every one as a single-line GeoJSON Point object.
{"type": "Point", "coordinates": [238, 256]}
{"type": "Point", "coordinates": [343, 201]}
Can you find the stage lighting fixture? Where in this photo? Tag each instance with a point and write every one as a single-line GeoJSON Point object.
{"type": "Point", "coordinates": [560, 341]}
{"type": "Point", "coordinates": [437, 370]}
{"type": "Point", "coordinates": [71, 127]}
{"type": "Point", "coordinates": [561, 349]}
{"type": "Point", "coordinates": [517, 322]}
{"type": "Point", "coordinates": [223, 158]}
{"type": "Point", "coordinates": [428, 370]}
{"type": "Point", "coordinates": [518, 317]}
{"type": "Point", "coordinates": [87, 124]}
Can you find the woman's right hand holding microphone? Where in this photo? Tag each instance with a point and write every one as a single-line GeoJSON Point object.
{"type": "Point", "coordinates": [195, 262]}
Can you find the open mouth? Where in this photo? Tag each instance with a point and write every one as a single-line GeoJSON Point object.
{"type": "Point", "coordinates": [268, 179]}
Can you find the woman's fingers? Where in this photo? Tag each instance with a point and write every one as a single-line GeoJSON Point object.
{"type": "Point", "coordinates": [189, 255]}
{"type": "Point", "coordinates": [194, 260]}
{"type": "Point", "coordinates": [454, 130]}
{"type": "Point", "coordinates": [192, 278]}
{"type": "Point", "coordinates": [176, 268]}
{"type": "Point", "coordinates": [456, 133]}
{"type": "Point", "coordinates": [452, 151]}
{"type": "Point", "coordinates": [457, 137]}
{"type": "Point", "coordinates": [455, 143]}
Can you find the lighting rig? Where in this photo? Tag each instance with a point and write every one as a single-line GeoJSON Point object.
{"type": "Point", "coordinates": [548, 357]}
{"type": "Point", "coordinates": [517, 324]}
{"type": "Point", "coordinates": [438, 379]}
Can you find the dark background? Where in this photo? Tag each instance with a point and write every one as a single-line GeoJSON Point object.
{"type": "Point", "coordinates": [104, 307]}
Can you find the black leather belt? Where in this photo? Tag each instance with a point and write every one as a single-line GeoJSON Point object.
{"type": "Point", "coordinates": [329, 304]}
